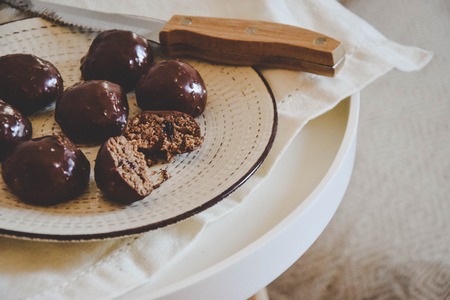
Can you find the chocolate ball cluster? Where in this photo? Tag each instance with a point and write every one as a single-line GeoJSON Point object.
{"type": "Point", "coordinates": [48, 170]}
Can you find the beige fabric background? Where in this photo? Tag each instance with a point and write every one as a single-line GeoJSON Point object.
{"type": "Point", "coordinates": [390, 238]}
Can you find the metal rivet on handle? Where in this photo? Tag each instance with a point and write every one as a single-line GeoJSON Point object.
{"type": "Point", "coordinates": [250, 30]}
{"type": "Point", "coordinates": [186, 21]}
{"type": "Point", "coordinates": [320, 41]}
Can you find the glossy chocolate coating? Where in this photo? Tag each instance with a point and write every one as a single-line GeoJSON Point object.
{"type": "Point", "coordinates": [28, 83]}
{"type": "Point", "coordinates": [92, 111]}
{"type": "Point", "coordinates": [15, 128]}
{"type": "Point", "coordinates": [46, 170]}
{"type": "Point", "coordinates": [118, 56]}
{"type": "Point", "coordinates": [172, 85]}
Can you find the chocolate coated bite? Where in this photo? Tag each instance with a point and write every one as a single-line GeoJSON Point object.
{"type": "Point", "coordinates": [46, 170]}
{"type": "Point", "coordinates": [121, 171]}
{"type": "Point", "coordinates": [165, 133]}
{"type": "Point", "coordinates": [118, 56]}
{"type": "Point", "coordinates": [15, 128]}
{"type": "Point", "coordinates": [172, 85]}
{"type": "Point", "coordinates": [28, 82]}
{"type": "Point", "coordinates": [122, 167]}
{"type": "Point", "coordinates": [92, 111]}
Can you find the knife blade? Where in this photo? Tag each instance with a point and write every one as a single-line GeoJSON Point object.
{"type": "Point", "coordinates": [219, 40]}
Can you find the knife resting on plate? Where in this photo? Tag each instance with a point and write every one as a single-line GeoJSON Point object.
{"type": "Point", "coordinates": [220, 40]}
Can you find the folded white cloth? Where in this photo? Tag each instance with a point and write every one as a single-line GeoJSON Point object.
{"type": "Point", "coordinates": [103, 270]}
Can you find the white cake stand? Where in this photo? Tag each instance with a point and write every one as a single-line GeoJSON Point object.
{"type": "Point", "coordinates": [240, 254]}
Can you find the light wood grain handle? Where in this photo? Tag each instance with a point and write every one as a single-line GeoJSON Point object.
{"type": "Point", "coordinates": [252, 43]}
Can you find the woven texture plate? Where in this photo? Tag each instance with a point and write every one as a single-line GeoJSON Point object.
{"type": "Point", "coordinates": [239, 126]}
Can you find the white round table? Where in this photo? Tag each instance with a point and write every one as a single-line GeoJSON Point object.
{"type": "Point", "coordinates": [242, 252]}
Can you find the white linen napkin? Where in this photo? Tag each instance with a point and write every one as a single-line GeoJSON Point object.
{"type": "Point", "coordinates": [107, 269]}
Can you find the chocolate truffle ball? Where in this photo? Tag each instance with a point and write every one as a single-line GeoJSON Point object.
{"type": "Point", "coordinates": [46, 170]}
{"type": "Point", "coordinates": [122, 164]}
{"type": "Point", "coordinates": [15, 128]}
{"type": "Point", "coordinates": [29, 83]}
{"type": "Point", "coordinates": [121, 171]}
{"type": "Point", "coordinates": [172, 85]}
{"type": "Point", "coordinates": [164, 133]}
{"type": "Point", "coordinates": [118, 56]}
{"type": "Point", "coordinates": [92, 111]}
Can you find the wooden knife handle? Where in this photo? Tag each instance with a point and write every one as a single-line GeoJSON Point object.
{"type": "Point", "coordinates": [252, 43]}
